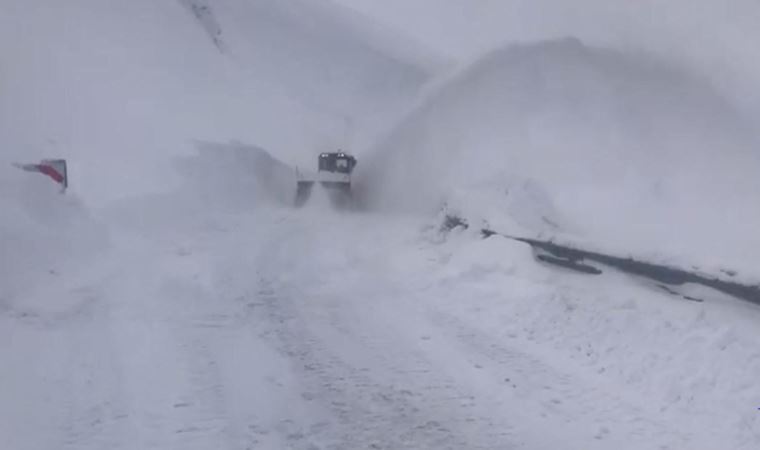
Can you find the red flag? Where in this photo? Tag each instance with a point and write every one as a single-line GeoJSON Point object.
{"type": "Point", "coordinates": [53, 168]}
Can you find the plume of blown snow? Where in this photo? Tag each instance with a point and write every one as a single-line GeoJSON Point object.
{"type": "Point", "coordinates": [636, 153]}
{"type": "Point", "coordinates": [715, 38]}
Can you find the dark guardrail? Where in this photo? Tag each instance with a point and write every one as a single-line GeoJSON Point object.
{"type": "Point", "coordinates": [579, 259]}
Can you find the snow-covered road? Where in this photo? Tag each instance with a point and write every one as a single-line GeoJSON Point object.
{"type": "Point", "coordinates": [316, 330]}
{"type": "Point", "coordinates": [169, 300]}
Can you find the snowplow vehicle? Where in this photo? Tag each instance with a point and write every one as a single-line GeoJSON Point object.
{"type": "Point", "coordinates": [333, 175]}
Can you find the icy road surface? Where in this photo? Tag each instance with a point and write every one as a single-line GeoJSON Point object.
{"type": "Point", "coordinates": [308, 330]}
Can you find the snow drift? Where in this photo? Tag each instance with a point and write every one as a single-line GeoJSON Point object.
{"type": "Point", "coordinates": [219, 179]}
{"type": "Point", "coordinates": [43, 235]}
{"type": "Point", "coordinates": [681, 361]}
{"type": "Point", "coordinates": [632, 152]}
{"type": "Point", "coordinates": [235, 174]}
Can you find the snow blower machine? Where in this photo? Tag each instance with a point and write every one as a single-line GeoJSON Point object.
{"type": "Point", "coordinates": [333, 175]}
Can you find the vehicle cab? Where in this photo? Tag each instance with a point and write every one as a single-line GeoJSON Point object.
{"type": "Point", "coordinates": [337, 162]}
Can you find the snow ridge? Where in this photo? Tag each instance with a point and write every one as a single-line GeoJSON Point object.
{"type": "Point", "coordinates": [203, 12]}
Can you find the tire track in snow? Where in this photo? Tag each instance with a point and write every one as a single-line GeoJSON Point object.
{"type": "Point", "coordinates": [377, 389]}
{"type": "Point", "coordinates": [173, 338]}
{"type": "Point", "coordinates": [386, 398]}
{"type": "Point", "coordinates": [77, 400]}
{"type": "Point", "coordinates": [548, 392]}
{"type": "Point", "coordinates": [95, 408]}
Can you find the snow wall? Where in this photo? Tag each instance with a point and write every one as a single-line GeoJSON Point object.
{"type": "Point", "coordinates": [219, 179]}
{"type": "Point", "coordinates": [43, 233]}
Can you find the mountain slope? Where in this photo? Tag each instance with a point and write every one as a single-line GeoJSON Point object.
{"type": "Point", "coordinates": [118, 89]}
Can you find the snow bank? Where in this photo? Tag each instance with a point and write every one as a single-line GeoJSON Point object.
{"type": "Point", "coordinates": [634, 153]}
{"type": "Point", "coordinates": [43, 234]}
{"type": "Point", "coordinates": [221, 179]}
{"type": "Point", "coordinates": [690, 365]}
{"type": "Point", "coordinates": [236, 175]}
{"type": "Point", "coordinates": [507, 202]}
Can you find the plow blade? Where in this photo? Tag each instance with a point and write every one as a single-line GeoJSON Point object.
{"type": "Point", "coordinates": [339, 193]}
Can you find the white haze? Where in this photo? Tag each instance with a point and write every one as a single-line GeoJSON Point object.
{"type": "Point", "coordinates": [173, 298]}
{"type": "Point", "coordinates": [119, 88]}
{"type": "Point", "coordinates": [717, 38]}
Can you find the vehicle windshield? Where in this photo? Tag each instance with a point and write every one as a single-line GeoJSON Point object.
{"type": "Point", "coordinates": [342, 165]}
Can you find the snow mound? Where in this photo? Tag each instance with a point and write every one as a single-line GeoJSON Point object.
{"type": "Point", "coordinates": [686, 363]}
{"type": "Point", "coordinates": [507, 203]}
{"type": "Point", "coordinates": [221, 179]}
{"type": "Point", "coordinates": [635, 153]}
{"type": "Point", "coordinates": [236, 175]}
{"type": "Point", "coordinates": [43, 234]}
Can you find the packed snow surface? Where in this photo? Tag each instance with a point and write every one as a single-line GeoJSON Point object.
{"type": "Point", "coordinates": [300, 330]}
